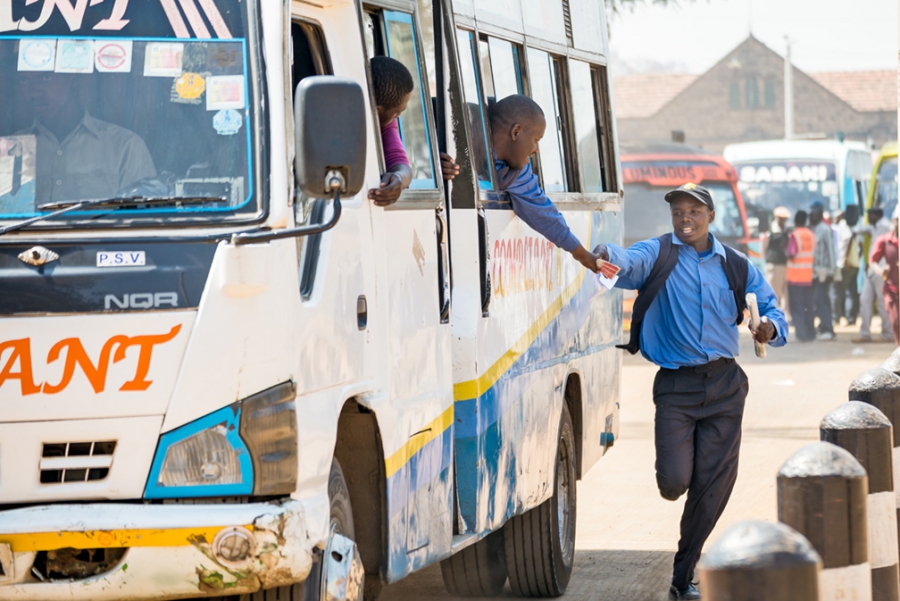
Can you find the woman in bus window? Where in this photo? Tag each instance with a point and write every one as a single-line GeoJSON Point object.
{"type": "Point", "coordinates": [393, 85]}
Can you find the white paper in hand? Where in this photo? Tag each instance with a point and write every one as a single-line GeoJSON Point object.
{"type": "Point", "coordinates": [604, 282]}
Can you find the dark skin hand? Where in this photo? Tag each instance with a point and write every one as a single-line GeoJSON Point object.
{"type": "Point", "coordinates": [449, 168]}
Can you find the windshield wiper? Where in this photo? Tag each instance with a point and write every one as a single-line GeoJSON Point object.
{"type": "Point", "coordinates": [63, 207]}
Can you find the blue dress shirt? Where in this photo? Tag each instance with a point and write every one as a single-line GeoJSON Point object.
{"type": "Point", "coordinates": [692, 320]}
{"type": "Point", "coordinates": [532, 206]}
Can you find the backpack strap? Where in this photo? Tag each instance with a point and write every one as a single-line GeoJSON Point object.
{"type": "Point", "coordinates": [737, 267]}
{"type": "Point", "coordinates": [666, 261]}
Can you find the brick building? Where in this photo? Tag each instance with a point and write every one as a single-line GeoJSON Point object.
{"type": "Point", "coordinates": [741, 99]}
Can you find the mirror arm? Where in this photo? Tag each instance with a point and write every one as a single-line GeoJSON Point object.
{"type": "Point", "coordinates": [335, 183]}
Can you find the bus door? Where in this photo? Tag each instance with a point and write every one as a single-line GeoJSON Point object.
{"type": "Point", "coordinates": [415, 297]}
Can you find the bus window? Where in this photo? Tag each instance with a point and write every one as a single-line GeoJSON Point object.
{"type": "Point", "coordinates": [585, 112]}
{"type": "Point", "coordinates": [309, 53]}
{"type": "Point", "coordinates": [607, 143]}
{"type": "Point", "coordinates": [543, 72]}
{"type": "Point", "coordinates": [728, 222]}
{"type": "Point", "coordinates": [401, 45]}
{"type": "Point", "coordinates": [886, 186]}
{"type": "Point", "coordinates": [391, 33]}
{"type": "Point", "coordinates": [466, 43]}
{"type": "Point", "coordinates": [507, 75]}
{"type": "Point", "coordinates": [310, 57]}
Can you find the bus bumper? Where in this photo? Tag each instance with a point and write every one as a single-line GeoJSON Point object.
{"type": "Point", "coordinates": [132, 551]}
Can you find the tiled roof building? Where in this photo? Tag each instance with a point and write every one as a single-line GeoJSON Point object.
{"type": "Point", "coordinates": [741, 99]}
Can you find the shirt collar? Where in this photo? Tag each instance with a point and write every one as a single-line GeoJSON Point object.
{"type": "Point", "coordinates": [87, 122]}
{"type": "Point", "coordinates": [716, 245]}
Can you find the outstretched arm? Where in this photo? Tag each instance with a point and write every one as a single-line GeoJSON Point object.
{"type": "Point", "coordinates": [635, 262]}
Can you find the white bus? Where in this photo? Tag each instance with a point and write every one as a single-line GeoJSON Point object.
{"type": "Point", "coordinates": [794, 173]}
{"type": "Point", "coordinates": [224, 372]}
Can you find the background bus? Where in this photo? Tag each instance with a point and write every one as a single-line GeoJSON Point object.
{"type": "Point", "coordinates": [648, 172]}
{"type": "Point", "coordinates": [651, 171]}
{"type": "Point", "coordinates": [794, 173]}
{"type": "Point", "coordinates": [883, 185]}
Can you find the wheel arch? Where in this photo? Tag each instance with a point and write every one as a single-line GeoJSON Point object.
{"type": "Point", "coordinates": [573, 399]}
{"type": "Point", "coordinates": [360, 452]}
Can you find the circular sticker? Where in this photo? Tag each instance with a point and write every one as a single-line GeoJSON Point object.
{"type": "Point", "coordinates": [190, 86]}
{"type": "Point", "coordinates": [227, 122]}
{"type": "Point", "coordinates": [112, 56]}
{"type": "Point", "coordinates": [37, 54]}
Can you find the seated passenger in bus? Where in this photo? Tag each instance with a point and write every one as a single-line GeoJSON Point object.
{"type": "Point", "coordinates": [517, 125]}
{"type": "Point", "coordinates": [79, 157]}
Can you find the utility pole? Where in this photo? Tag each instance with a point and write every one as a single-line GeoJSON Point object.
{"type": "Point", "coordinates": [788, 93]}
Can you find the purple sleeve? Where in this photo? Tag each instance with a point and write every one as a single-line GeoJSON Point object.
{"type": "Point", "coordinates": [394, 153]}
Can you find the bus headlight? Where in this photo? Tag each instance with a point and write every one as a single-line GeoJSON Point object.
{"type": "Point", "coordinates": [248, 448]}
{"type": "Point", "coordinates": [201, 459]}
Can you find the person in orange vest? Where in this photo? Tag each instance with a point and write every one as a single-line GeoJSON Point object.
{"type": "Point", "coordinates": [799, 275]}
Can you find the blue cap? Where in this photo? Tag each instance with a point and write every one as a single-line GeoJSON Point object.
{"type": "Point", "coordinates": [817, 204]}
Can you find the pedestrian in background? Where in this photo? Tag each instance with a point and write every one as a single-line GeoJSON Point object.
{"type": "Point", "coordinates": [884, 259]}
{"type": "Point", "coordinates": [846, 276]}
{"type": "Point", "coordinates": [776, 255]}
{"type": "Point", "coordinates": [823, 265]}
{"type": "Point", "coordinates": [801, 250]}
{"type": "Point", "coordinates": [871, 295]}
{"type": "Point", "coordinates": [686, 317]}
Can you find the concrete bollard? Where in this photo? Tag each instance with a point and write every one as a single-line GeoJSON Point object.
{"type": "Point", "coordinates": [881, 388]}
{"type": "Point", "coordinates": [866, 432]}
{"type": "Point", "coordinates": [822, 495]}
{"type": "Point", "coordinates": [755, 560]}
{"type": "Point", "coordinates": [892, 363]}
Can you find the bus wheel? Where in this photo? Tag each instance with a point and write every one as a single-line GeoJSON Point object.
{"type": "Point", "coordinates": [479, 570]}
{"type": "Point", "coordinates": [540, 544]}
{"type": "Point", "coordinates": [341, 552]}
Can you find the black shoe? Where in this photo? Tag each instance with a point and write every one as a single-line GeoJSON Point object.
{"type": "Point", "coordinates": [684, 594]}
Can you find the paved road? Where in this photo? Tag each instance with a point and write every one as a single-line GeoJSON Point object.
{"type": "Point", "coordinates": [626, 532]}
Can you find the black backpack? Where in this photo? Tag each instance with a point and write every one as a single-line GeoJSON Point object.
{"type": "Point", "coordinates": [736, 269]}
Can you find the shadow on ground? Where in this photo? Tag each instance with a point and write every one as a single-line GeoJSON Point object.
{"type": "Point", "coordinates": [598, 576]}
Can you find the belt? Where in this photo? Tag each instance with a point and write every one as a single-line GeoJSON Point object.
{"type": "Point", "coordinates": [705, 368]}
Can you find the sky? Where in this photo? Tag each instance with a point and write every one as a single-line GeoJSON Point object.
{"type": "Point", "coordinates": [692, 35]}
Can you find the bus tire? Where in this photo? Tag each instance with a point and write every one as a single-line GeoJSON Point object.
{"type": "Point", "coordinates": [540, 544]}
{"type": "Point", "coordinates": [479, 570]}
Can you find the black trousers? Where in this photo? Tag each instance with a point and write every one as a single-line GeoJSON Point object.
{"type": "Point", "coordinates": [698, 437]}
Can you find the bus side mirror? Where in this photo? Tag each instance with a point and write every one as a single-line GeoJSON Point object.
{"type": "Point", "coordinates": [330, 136]}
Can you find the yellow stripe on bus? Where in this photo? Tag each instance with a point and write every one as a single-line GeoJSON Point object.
{"type": "Point", "coordinates": [474, 388]}
{"type": "Point", "coordinates": [415, 443]}
{"type": "Point", "coordinates": [98, 539]}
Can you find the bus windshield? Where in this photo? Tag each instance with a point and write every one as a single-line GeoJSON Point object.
{"type": "Point", "coordinates": [791, 184]}
{"type": "Point", "coordinates": [886, 186]}
{"type": "Point", "coordinates": [647, 213]}
{"type": "Point", "coordinates": [127, 99]}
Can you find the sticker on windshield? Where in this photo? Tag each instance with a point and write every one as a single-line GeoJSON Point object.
{"type": "Point", "coordinates": [121, 258]}
{"type": "Point", "coordinates": [113, 57]}
{"type": "Point", "coordinates": [163, 59]}
{"type": "Point", "coordinates": [225, 92]}
{"type": "Point", "coordinates": [37, 55]}
{"type": "Point", "coordinates": [227, 122]}
{"type": "Point", "coordinates": [190, 86]}
{"type": "Point", "coordinates": [75, 56]}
